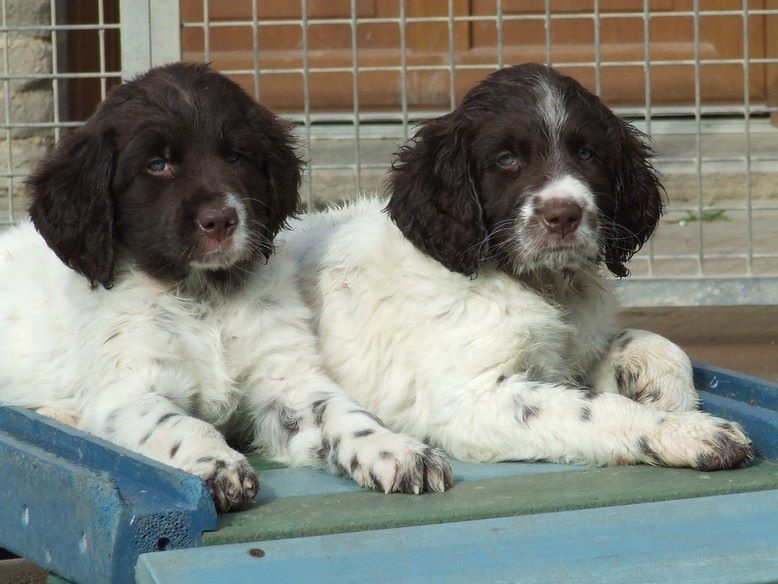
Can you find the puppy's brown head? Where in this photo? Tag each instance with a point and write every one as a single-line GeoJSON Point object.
{"type": "Point", "coordinates": [179, 168]}
{"type": "Point", "coordinates": [530, 171]}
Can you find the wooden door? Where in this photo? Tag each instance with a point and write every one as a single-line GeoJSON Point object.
{"type": "Point", "coordinates": [429, 78]}
{"type": "Point", "coordinates": [81, 54]}
{"type": "Point", "coordinates": [671, 47]}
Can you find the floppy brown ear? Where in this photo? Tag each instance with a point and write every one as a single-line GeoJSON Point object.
{"type": "Point", "coordinates": [433, 200]}
{"type": "Point", "coordinates": [638, 199]}
{"type": "Point", "coordinates": [72, 203]}
{"type": "Point", "coordinates": [282, 168]}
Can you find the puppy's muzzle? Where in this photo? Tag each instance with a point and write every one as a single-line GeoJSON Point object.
{"type": "Point", "coordinates": [561, 217]}
{"type": "Point", "coordinates": [217, 222]}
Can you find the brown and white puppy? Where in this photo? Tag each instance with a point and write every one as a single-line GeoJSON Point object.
{"type": "Point", "coordinates": [177, 325]}
{"type": "Point", "coordinates": [475, 313]}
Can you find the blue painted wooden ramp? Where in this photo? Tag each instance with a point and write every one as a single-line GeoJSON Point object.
{"type": "Point", "coordinates": [86, 508]}
{"type": "Point", "coordinates": [747, 400]}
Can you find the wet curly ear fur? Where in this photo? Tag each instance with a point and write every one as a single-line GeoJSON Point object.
{"type": "Point", "coordinates": [638, 199]}
{"type": "Point", "coordinates": [433, 199]}
{"type": "Point", "coordinates": [281, 166]}
{"type": "Point", "coordinates": [72, 204]}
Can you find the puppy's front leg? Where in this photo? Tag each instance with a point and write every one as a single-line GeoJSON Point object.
{"type": "Point", "coordinates": [302, 417]}
{"type": "Point", "coordinates": [155, 426]}
{"type": "Point", "coordinates": [525, 420]}
{"type": "Point", "coordinates": [649, 369]}
{"type": "Point", "coordinates": [356, 443]}
{"type": "Point", "coordinates": [306, 419]}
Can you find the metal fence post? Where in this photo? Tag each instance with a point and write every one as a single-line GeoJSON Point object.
{"type": "Point", "coordinates": [150, 34]}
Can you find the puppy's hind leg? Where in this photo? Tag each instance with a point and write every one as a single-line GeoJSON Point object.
{"type": "Point", "coordinates": [649, 369]}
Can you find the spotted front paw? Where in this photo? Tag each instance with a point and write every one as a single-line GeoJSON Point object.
{"type": "Point", "coordinates": [699, 441]}
{"type": "Point", "coordinates": [232, 483]}
{"type": "Point", "coordinates": [728, 447]}
{"type": "Point", "coordinates": [389, 462]}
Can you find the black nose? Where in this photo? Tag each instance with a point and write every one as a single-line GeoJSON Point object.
{"type": "Point", "coordinates": [217, 221]}
{"type": "Point", "coordinates": [561, 216]}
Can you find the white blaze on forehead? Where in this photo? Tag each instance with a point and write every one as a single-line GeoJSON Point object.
{"type": "Point", "coordinates": [552, 109]}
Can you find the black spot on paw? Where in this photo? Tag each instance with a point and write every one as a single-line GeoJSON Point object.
{"type": "Point", "coordinates": [376, 481]}
{"type": "Point", "coordinates": [174, 450]}
{"type": "Point", "coordinates": [233, 489]}
{"type": "Point", "coordinates": [727, 452]}
{"type": "Point", "coordinates": [354, 464]}
{"type": "Point", "coordinates": [412, 481]}
{"type": "Point", "coordinates": [437, 472]}
{"type": "Point", "coordinates": [363, 433]}
{"type": "Point", "coordinates": [585, 413]}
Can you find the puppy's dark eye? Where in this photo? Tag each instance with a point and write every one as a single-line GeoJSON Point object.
{"type": "Point", "coordinates": [507, 160]}
{"type": "Point", "coordinates": [232, 157]}
{"type": "Point", "coordinates": [585, 153]}
{"type": "Point", "coordinates": [158, 166]}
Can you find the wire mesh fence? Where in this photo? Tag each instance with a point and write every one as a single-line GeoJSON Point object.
{"type": "Point", "coordinates": [57, 64]}
{"type": "Point", "coordinates": [356, 76]}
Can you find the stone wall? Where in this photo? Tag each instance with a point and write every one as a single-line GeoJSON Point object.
{"type": "Point", "coordinates": [24, 101]}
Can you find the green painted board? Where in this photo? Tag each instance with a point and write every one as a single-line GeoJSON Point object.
{"type": "Point", "coordinates": [524, 494]}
